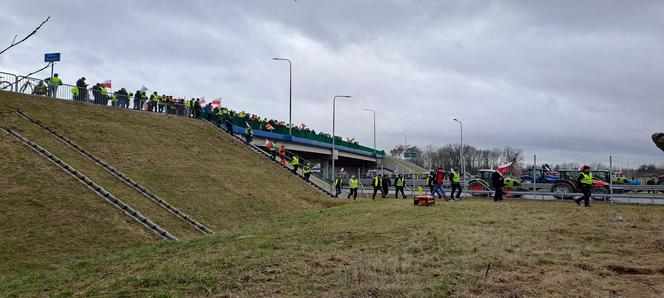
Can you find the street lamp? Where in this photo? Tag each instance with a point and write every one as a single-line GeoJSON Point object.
{"type": "Point", "coordinates": [374, 133]}
{"type": "Point", "coordinates": [463, 163]}
{"type": "Point", "coordinates": [334, 112]}
{"type": "Point", "coordinates": [290, 94]}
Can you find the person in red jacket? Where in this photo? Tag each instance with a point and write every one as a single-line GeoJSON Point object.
{"type": "Point", "coordinates": [438, 184]}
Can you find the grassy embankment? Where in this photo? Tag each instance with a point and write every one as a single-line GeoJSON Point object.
{"type": "Point", "coordinates": [184, 161]}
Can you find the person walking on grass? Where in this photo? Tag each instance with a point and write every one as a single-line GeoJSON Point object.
{"type": "Point", "coordinates": [386, 185]}
{"type": "Point", "coordinates": [399, 184]}
{"type": "Point", "coordinates": [585, 180]}
{"type": "Point", "coordinates": [429, 182]}
{"type": "Point", "coordinates": [338, 182]}
{"type": "Point", "coordinates": [498, 182]}
{"type": "Point", "coordinates": [354, 184]}
{"type": "Point", "coordinates": [455, 179]}
{"type": "Point", "coordinates": [438, 184]}
{"type": "Point", "coordinates": [377, 184]}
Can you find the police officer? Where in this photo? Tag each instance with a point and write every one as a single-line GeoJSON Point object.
{"type": "Point", "coordinates": [154, 99]}
{"type": "Point", "coordinates": [585, 180]}
{"type": "Point", "coordinates": [399, 184]}
{"type": "Point", "coordinates": [377, 184]}
{"type": "Point", "coordinates": [338, 182]}
{"type": "Point", "coordinates": [306, 170]}
{"type": "Point", "coordinates": [354, 184]}
{"type": "Point", "coordinates": [455, 179]}
{"type": "Point", "coordinates": [295, 162]}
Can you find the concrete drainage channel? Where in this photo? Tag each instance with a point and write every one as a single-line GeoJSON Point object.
{"type": "Point", "coordinates": [133, 184]}
{"type": "Point", "coordinates": [107, 196]}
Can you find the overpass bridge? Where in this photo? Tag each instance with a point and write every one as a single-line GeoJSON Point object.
{"type": "Point", "coordinates": [317, 149]}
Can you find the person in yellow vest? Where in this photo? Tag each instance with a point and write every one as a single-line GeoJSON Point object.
{"type": "Point", "coordinates": [354, 184]}
{"type": "Point", "coordinates": [161, 103]}
{"type": "Point", "coordinates": [295, 162]}
{"type": "Point", "coordinates": [399, 185]}
{"type": "Point", "coordinates": [455, 179]}
{"type": "Point", "coordinates": [429, 182]}
{"type": "Point", "coordinates": [338, 182]}
{"type": "Point", "coordinates": [249, 135]}
{"type": "Point", "coordinates": [75, 93]}
{"type": "Point", "coordinates": [306, 170]}
{"type": "Point", "coordinates": [104, 95]}
{"type": "Point", "coordinates": [114, 99]}
{"type": "Point", "coordinates": [190, 107]}
{"type": "Point", "coordinates": [585, 180]}
{"type": "Point", "coordinates": [144, 100]}
{"type": "Point", "coordinates": [40, 89]}
{"type": "Point", "coordinates": [154, 99]}
{"type": "Point", "coordinates": [53, 83]}
{"type": "Point", "coordinates": [377, 184]}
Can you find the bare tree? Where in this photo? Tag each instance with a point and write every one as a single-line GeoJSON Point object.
{"type": "Point", "coordinates": [15, 43]}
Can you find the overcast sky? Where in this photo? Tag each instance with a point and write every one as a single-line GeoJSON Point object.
{"type": "Point", "coordinates": [570, 81]}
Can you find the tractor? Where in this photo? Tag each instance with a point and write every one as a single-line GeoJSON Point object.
{"type": "Point", "coordinates": [539, 176]}
{"type": "Point", "coordinates": [567, 184]}
{"type": "Point", "coordinates": [483, 182]}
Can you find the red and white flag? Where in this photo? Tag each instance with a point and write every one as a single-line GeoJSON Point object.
{"type": "Point", "coordinates": [504, 167]}
{"type": "Point", "coordinates": [106, 84]}
{"type": "Point", "coordinates": [268, 144]}
{"type": "Point", "coordinates": [302, 126]}
{"type": "Point", "coordinates": [216, 102]}
{"type": "Point", "coordinates": [201, 101]}
{"type": "Point", "coordinates": [269, 127]}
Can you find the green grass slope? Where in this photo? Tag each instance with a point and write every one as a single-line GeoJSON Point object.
{"type": "Point", "coordinates": [391, 248]}
{"type": "Point", "coordinates": [186, 162]}
{"type": "Point", "coordinates": [48, 219]}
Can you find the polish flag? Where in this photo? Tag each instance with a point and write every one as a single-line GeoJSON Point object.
{"type": "Point", "coordinates": [504, 167]}
{"type": "Point", "coordinates": [268, 144]}
{"type": "Point", "coordinates": [269, 127]}
{"type": "Point", "coordinates": [216, 102]}
{"type": "Point", "coordinates": [106, 84]}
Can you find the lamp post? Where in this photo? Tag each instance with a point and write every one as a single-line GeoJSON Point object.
{"type": "Point", "coordinates": [374, 133]}
{"type": "Point", "coordinates": [463, 163]}
{"type": "Point", "coordinates": [334, 113]}
{"type": "Point", "coordinates": [290, 94]}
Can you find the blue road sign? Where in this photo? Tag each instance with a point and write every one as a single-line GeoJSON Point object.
{"type": "Point", "coordinates": [52, 57]}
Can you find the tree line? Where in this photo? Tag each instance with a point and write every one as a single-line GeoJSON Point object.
{"type": "Point", "coordinates": [449, 156]}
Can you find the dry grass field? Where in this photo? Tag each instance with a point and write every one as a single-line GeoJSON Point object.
{"type": "Point", "coordinates": [391, 248]}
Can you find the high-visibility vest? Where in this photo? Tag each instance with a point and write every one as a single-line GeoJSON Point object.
{"type": "Point", "coordinates": [162, 100]}
{"type": "Point", "coordinates": [114, 97]}
{"type": "Point", "coordinates": [587, 178]}
{"type": "Point", "coordinates": [74, 90]}
{"type": "Point", "coordinates": [306, 170]}
{"type": "Point", "coordinates": [456, 178]}
{"type": "Point", "coordinates": [377, 181]}
{"type": "Point", "coordinates": [337, 182]}
{"type": "Point", "coordinates": [295, 161]}
{"type": "Point", "coordinates": [143, 97]}
{"type": "Point", "coordinates": [354, 183]}
{"type": "Point", "coordinates": [154, 97]}
{"type": "Point", "coordinates": [429, 180]}
{"type": "Point", "coordinates": [102, 90]}
{"type": "Point", "coordinates": [250, 131]}
{"type": "Point", "coordinates": [55, 81]}
{"type": "Point", "coordinates": [399, 182]}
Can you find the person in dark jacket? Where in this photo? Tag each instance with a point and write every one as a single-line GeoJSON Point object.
{"type": "Point", "coordinates": [429, 182]}
{"type": "Point", "coordinates": [399, 184]}
{"type": "Point", "coordinates": [229, 124]}
{"type": "Point", "coordinates": [338, 182]}
{"type": "Point", "coordinates": [386, 183]}
{"type": "Point", "coordinates": [585, 181]}
{"type": "Point", "coordinates": [498, 183]}
{"type": "Point", "coordinates": [377, 183]}
{"type": "Point", "coordinates": [96, 93]}
{"type": "Point", "coordinates": [82, 90]}
{"type": "Point", "coordinates": [137, 100]}
{"type": "Point", "coordinates": [438, 184]}
{"type": "Point", "coordinates": [123, 98]}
